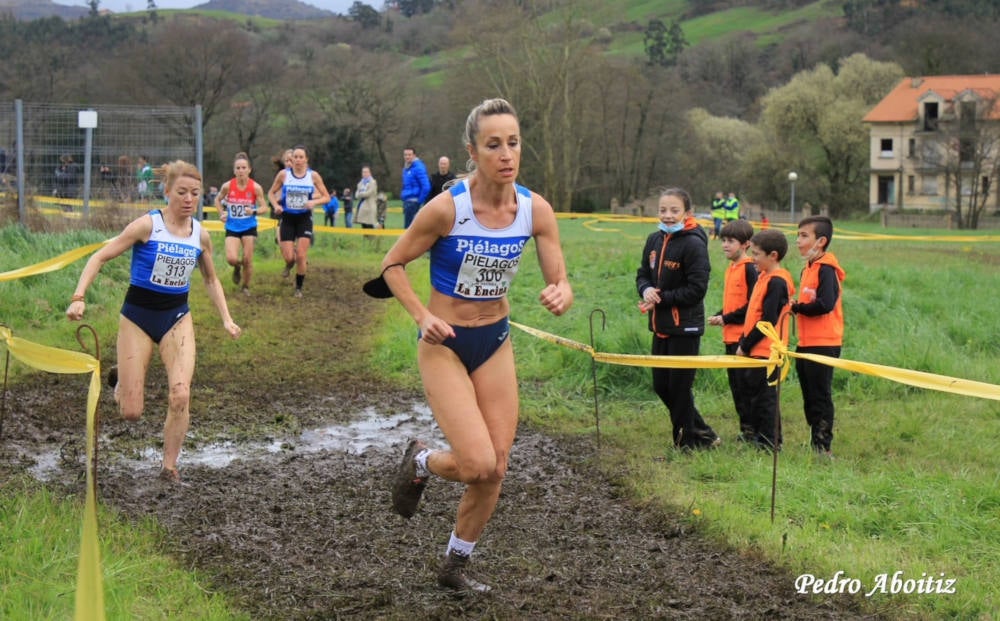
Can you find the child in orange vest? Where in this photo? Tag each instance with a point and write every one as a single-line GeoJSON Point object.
{"type": "Point", "coordinates": [769, 301]}
{"type": "Point", "coordinates": [740, 278]}
{"type": "Point", "coordinates": [820, 323]}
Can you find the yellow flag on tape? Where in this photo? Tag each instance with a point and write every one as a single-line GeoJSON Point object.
{"type": "Point", "coordinates": [89, 581]}
{"type": "Point", "coordinates": [53, 264]}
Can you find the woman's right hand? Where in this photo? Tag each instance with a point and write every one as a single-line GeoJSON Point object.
{"type": "Point", "coordinates": [434, 330]}
{"type": "Point", "coordinates": [75, 310]}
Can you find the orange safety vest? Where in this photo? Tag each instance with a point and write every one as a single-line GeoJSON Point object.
{"type": "Point", "coordinates": [735, 295]}
{"type": "Point", "coordinates": [826, 329]}
{"type": "Point", "coordinates": [755, 311]}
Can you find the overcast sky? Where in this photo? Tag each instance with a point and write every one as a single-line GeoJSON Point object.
{"type": "Point", "coordinates": [121, 6]}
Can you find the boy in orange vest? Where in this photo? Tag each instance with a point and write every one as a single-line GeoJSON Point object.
{"type": "Point", "coordinates": [769, 301]}
{"type": "Point", "coordinates": [820, 323]}
{"type": "Point", "coordinates": [740, 278]}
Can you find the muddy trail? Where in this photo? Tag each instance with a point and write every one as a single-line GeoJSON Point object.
{"type": "Point", "coordinates": [286, 506]}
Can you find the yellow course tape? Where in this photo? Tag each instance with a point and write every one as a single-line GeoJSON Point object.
{"type": "Point", "coordinates": [780, 355]}
{"type": "Point", "coordinates": [89, 582]}
{"type": "Point", "coordinates": [53, 264]}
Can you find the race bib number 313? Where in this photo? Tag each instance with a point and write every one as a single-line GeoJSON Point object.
{"type": "Point", "coordinates": [172, 271]}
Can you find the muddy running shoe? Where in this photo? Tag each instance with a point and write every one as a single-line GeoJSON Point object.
{"type": "Point", "coordinates": [237, 274]}
{"type": "Point", "coordinates": [298, 293]}
{"type": "Point", "coordinates": [170, 475]}
{"type": "Point", "coordinates": [113, 376]}
{"type": "Point", "coordinates": [246, 291]}
{"type": "Point", "coordinates": [452, 575]}
{"type": "Point", "coordinates": [285, 272]}
{"type": "Point", "coordinates": [407, 487]}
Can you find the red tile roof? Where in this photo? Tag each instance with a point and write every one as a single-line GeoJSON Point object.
{"type": "Point", "coordinates": [901, 105]}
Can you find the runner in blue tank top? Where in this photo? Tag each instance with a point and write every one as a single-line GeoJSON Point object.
{"type": "Point", "coordinates": [475, 234]}
{"type": "Point", "coordinates": [166, 247]}
{"type": "Point", "coordinates": [296, 191]}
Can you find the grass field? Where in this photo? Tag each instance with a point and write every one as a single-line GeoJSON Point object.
{"type": "Point", "coordinates": [913, 487]}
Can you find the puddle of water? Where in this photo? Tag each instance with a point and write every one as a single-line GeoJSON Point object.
{"type": "Point", "coordinates": [371, 431]}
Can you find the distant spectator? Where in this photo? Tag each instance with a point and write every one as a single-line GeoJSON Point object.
{"type": "Point", "coordinates": [330, 209]}
{"type": "Point", "coordinates": [67, 177]}
{"type": "Point", "coordinates": [366, 194]}
{"type": "Point", "coordinates": [441, 177]}
{"type": "Point", "coordinates": [209, 198]}
{"type": "Point", "coordinates": [348, 200]}
{"type": "Point", "coordinates": [144, 178]}
{"type": "Point", "coordinates": [416, 185]}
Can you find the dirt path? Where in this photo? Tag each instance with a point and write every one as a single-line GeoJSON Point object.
{"type": "Point", "coordinates": [292, 520]}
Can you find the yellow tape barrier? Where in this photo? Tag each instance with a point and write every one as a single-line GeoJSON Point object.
{"type": "Point", "coordinates": [781, 355]}
{"type": "Point", "coordinates": [53, 264]}
{"type": "Point", "coordinates": [89, 582]}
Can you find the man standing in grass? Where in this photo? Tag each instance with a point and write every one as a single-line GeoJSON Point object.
{"type": "Point", "coordinates": [820, 323]}
{"type": "Point", "coordinates": [416, 185]}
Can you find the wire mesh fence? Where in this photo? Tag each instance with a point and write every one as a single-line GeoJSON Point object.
{"type": "Point", "coordinates": [52, 165]}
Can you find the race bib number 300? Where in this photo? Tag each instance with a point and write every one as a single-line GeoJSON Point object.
{"type": "Point", "coordinates": [483, 276]}
{"type": "Point", "coordinates": [172, 271]}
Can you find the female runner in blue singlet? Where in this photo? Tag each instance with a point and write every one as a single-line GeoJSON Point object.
{"type": "Point", "coordinates": [296, 191]}
{"type": "Point", "coordinates": [166, 247]}
{"type": "Point", "coordinates": [475, 234]}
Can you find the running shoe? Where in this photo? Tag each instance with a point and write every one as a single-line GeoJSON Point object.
{"type": "Point", "coordinates": [452, 575]}
{"type": "Point", "coordinates": [237, 274]}
{"type": "Point", "coordinates": [298, 293]}
{"type": "Point", "coordinates": [113, 376]}
{"type": "Point", "coordinates": [407, 487]}
{"type": "Point", "coordinates": [170, 475]}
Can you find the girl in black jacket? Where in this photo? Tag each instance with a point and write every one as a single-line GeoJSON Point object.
{"type": "Point", "coordinates": [672, 280]}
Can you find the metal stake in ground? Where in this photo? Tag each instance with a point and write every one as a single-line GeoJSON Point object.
{"type": "Point", "coordinates": [593, 371]}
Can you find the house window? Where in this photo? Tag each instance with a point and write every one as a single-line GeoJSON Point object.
{"type": "Point", "coordinates": [911, 184]}
{"type": "Point", "coordinates": [929, 185]}
{"type": "Point", "coordinates": [967, 122]}
{"type": "Point", "coordinates": [930, 116]}
{"type": "Point", "coordinates": [885, 147]}
{"type": "Point", "coordinates": [911, 148]}
{"type": "Point", "coordinates": [966, 151]}
{"type": "Point", "coordinates": [966, 185]}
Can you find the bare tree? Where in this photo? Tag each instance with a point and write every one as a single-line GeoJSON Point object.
{"type": "Point", "coordinates": [547, 71]}
{"type": "Point", "coordinates": [965, 149]}
{"type": "Point", "coordinates": [191, 62]}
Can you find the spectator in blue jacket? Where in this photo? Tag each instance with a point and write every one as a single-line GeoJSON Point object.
{"type": "Point", "coordinates": [416, 185]}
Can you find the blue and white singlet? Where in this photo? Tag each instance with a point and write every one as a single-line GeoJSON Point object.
{"type": "Point", "coordinates": [474, 262]}
{"type": "Point", "coordinates": [165, 263]}
{"type": "Point", "coordinates": [296, 191]}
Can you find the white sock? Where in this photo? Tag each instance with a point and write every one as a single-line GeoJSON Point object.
{"type": "Point", "coordinates": [421, 460]}
{"type": "Point", "coordinates": [460, 546]}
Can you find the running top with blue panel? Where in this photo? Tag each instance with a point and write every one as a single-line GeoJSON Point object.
{"type": "Point", "coordinates": [474, 262]}
{"type": "Point", "coordinates": [296, 192]}
{"type": "Point", "coordinates": [165, 263]}
{"type": "Point", "coordinates": [240, 205]}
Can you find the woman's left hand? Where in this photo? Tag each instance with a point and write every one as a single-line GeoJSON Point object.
{"type": "Point", "coordinates": [554, 299]}
{"type": "Point", "coordinates": [234, 330]}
